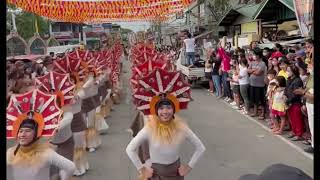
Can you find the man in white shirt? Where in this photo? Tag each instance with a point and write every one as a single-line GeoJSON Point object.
{"type": "Point", "coordinates": [189, 44]}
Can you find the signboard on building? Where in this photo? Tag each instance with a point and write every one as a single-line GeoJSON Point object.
{"type": "Point", "coordinates": [97, 28]}
{"type": "Point", "coordinates": [107, 25]}
{"type": "Point", "coordinates": [59, 35]}
{"type": "Point", "coordinates": [249, 28]}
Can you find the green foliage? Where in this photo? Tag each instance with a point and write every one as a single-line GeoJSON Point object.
{"type": "Point", "coordinates": [25, 23]}
{"type": "Point", "coordinates": [219, 8]}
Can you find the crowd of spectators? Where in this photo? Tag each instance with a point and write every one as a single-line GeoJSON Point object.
{"type": "Point", "coordinates": [274, 85]}
{"type": "Point", "coordinates": [21, 74]}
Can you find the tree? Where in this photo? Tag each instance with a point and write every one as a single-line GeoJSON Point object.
{"type": "Point", "coordinates": [25, 23]}
{"type": "Point", "coordinates": [219, 8]}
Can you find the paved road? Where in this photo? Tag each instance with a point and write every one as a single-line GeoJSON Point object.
{"type": "Point", "coordinates": [235, 145]}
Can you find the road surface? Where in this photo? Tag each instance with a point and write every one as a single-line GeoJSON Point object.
{"type": "Point", "coordinates": [235, 144]}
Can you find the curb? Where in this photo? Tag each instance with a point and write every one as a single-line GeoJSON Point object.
{"type": "Point", "coordinates": [297, 148]}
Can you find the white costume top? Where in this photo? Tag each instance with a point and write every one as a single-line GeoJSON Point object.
{"type": "Point", "coordinates": [90, 89]}
{"type": "Point", "coordinates": [163, 153]}
{"type": "Point", "coordinates": [42, 172]}
{"type": "Point", "coordinates": [63, 132]}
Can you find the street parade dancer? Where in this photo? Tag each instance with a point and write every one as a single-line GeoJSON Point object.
{"type": "Point", "coordinates": [102, 110]}
{"type": "Point", "coordinates": [29, 117]}
{"type": "Point", "coordinates": [100, 65]}
{"type": "Point", "coordinates": [60, 85]}
{"type": "Point", "coordinates": [91, 100]}
{"type": "Point", "coordinates": [78, 72]}
{"type": "Point", "coordinates": [160, 95]}
{"type": "Point", "coordinates": [89, 105]}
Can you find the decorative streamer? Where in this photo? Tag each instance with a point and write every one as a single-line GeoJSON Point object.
{"type": "Point", "coordinates": [102, 11]}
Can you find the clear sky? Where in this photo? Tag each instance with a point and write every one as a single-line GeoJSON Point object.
{"type": "Point", "coordinates": [134, 26]}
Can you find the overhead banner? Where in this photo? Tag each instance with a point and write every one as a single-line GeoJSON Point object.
{"type": "Point", "coordinates": [304, 13]}
{"type": "Point", "coordinates": [97, 11]}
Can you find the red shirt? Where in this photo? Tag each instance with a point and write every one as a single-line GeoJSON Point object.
{"type": "Point", "coordinates": [225, 60]}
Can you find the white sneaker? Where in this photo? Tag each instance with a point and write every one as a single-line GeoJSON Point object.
{"type": "Point", "coordinates": [92, 150]}
{"type": "Point", "coordinates": [87, 166]}
{"type": "Point", "coordinates": [233, 103]}
{"type": "Point", "coordinates": [228, 99]}
{"type": "Point", "coordinates": [225, 98]}
{"type": "Point", "coordinates": [244, 112]}
{"type": "Point", "coordinates": [235, 107]}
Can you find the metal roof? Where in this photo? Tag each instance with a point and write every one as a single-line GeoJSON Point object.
{"type": "Point", "coordinates": [247, 10]}
{"type": "Point", "coordinates": [229, 17]}
{"type": "Point", "coordinates": [288, 3]}
{"type": "Point", "coordinates": [251, 10]}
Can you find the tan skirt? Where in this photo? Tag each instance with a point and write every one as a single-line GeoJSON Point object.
{"type": "Point", "coordinates": [166, 171]}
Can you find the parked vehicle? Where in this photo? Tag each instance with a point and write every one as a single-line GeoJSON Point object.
{"type": "Point", "coordinates": [194, 75]}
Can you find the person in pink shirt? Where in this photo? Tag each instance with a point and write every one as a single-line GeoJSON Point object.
{"type": "Point", "coordinates": [225, 65]}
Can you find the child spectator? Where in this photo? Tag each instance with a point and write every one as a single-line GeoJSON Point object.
{"type": "Point", "coordinates": [244, 83]}
{"type": "Point", "coordinates": [270, 89]}
{"type": "Point", "coordinates": [234, 81]}
{"type": "Point", "coordinates": [279, 105]}
{"type": "Point", "coordinates": [208, 73]}
{"type": "Point", "coordinates": [284, 63]}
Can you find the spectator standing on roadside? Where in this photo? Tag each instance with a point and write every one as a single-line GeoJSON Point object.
{"type": "Point", "coordinates": [279, 105]}
{"type": "Point", "coordinates": [294, 103]}
{"type": "Point", "coordinates": [257, 70]}
{"type": "Point", "coordinates": [308, 93]}
{"type": "Point", "coordinates": [283, 64]}
{"type": "Point", "coordinates": [208, 68]}
{"type": "Point", "coordinates": [308, 50]}
{"type": "Point", "coordinates": [216, 77]}
{"type": "Point", "coordinates": [254, 45]}
{"type": "Point", "coordinates": [234, 81]}
{"type": "Point", "coordinates": [266, 53]}
{"type": "Point", "coordinates": [225, 67]}
{"type": "Point", "coordinates": [275, 65]}
{"type": "Point", "coordinates": [244, 83]}
{"type": "Point", "coordinates": [278, 51]}
{"type": "Point", "coordinates": [189, 44]}
{"type": "Point", "coordinates": [271, 75]}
